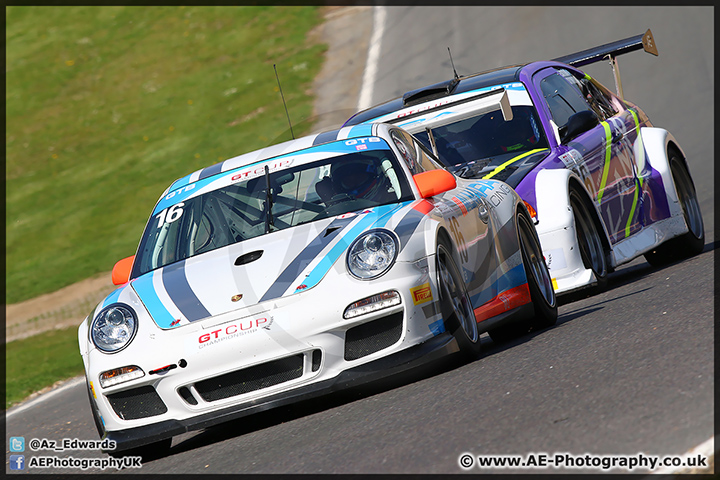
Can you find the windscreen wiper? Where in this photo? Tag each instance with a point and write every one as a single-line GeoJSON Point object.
{"type": "Point", "coordinates": [268, 202]}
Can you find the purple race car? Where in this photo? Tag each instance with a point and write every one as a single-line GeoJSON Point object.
{"type": "Point", "coordinates": [602, 183]}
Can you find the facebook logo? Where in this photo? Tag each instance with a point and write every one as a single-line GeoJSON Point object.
{"type": "Point", "coordinates": [17, 444]}
{"type": "Point", "coordinates": [17, 462]}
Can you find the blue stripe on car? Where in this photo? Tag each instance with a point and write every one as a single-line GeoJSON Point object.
{"type": "Point", "coordinates": [299, 263]}
{"type": "Point", "coordinates": [145, 289]}
{"type": "Point", "coordinates": [363, 130]}
{"type": "Point", "coordinates": [177, 286]}
{"type": "Point", "coordinates": [113, 297]}
{"type": "Point", "coordinates": [317, 274]}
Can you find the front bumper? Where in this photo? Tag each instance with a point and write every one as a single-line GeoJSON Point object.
{"type": "Point", "coordinates": [410, 358]}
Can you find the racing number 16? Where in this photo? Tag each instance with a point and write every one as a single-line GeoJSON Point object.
{"type": "Point", "coordinates": [170, 214]}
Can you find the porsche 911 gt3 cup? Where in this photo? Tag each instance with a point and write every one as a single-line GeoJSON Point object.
{"type": "Point", "coordinates": [605, 185]}
{"type": "Point", "coordinates": [302, 268]}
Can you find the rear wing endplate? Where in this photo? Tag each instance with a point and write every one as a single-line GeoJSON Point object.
{"type": "Point", "coordinates": [611, 51]}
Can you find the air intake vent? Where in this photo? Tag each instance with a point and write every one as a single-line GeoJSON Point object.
{"type": "Point", "coordinates": [137, 403]}
{"type": "Point", "coordinates": [373, 336]}
{"type": "Point", "coordinates": [251, 379]}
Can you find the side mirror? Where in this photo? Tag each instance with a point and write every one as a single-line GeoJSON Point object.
{"type": "Point", "coordinates": [434, 182]}
{"type": "Point", "coordinates": [578, 123]}
{"type": "Point", "coordinates": [121, 271]}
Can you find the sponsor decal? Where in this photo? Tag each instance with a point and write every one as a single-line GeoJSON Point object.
{"type": "Point", "coordinates": [362, 141]}
{"type": "Point", "coordinates": [92, 389]}
{"type": "Point", "coordinates": [421, 294]}
{"type": "Point", "coordinates": [233, 330]}
{"type": "Point", "coordinates": [180, 190]}
{"type": "Point", "coordinates": [507, 300]}
{"type": "Point", "coordinates": [259, 170]}
{"type": "Point", "coordinates": [571, 158]}
{"type": "Point", "coordinates": [175, 322]}
{"type": "Point", "coordinates": [361, 147]}
{"type": "Point", "coordinates": [236, 298]}
{"type": "Point", "coordinates": [301, 287]}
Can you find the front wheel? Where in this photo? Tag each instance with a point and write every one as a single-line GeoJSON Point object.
{"type": "Point", "coordinates": [455, 305]}
{"type": "Point", "coordinates": [692, 242]}
{"type": "Point", "coordinates": [540, 285]}
{"type": "Point", "coordinates": [591, 247]}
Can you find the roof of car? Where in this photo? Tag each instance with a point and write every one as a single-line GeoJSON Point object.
{"type": "Point", "coordinates": [274, 151]}
{"type": "Point", "coordinates": [464, 84]}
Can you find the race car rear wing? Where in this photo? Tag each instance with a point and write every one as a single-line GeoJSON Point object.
{"type": "Point", "coordinates": [610, 51]}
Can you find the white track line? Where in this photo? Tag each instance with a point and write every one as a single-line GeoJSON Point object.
{"type": "Point", "coordinates": [368, 82]}
{"type": "Point", "coordinates": [66, 386]}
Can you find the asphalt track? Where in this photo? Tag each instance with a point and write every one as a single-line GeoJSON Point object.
{"type": "Point", "coordinates": [625, 371]}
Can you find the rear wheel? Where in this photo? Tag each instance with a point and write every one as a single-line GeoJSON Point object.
{"type": "Point", "coordinates": [591, 247]}
{"type": "Point", "coordinates": [692, 242]}
{"type": "Point", "coordinates": [455, 304]}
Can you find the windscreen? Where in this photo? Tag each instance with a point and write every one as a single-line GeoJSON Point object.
{"type": "Point", "coordinates": [243, 208]}
{"type": "Point", "coordinates": [485, 136]}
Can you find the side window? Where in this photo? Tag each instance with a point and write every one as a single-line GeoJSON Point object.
{"type": "Point", "coordinates": [408, 151]}
{"type": "Point", "coordinates": [563, 99]}
{"type": "Point", "coordinates": [600, 101]}
{"type": "Point", "coordinates": [427, 159]}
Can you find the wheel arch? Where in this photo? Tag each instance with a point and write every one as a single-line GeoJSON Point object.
{"type": "Point", "coordinates": [659, 145]}
{"type": "Point", "coordinates": [552, 191]}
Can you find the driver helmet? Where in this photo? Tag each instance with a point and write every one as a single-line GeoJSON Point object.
{"type": "Point", "coordinates": [357, 177]}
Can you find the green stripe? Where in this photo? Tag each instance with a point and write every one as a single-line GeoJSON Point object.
{"type": "Point", "coordinates": [606, 168]}
{"type": "Point", "coordinates": [642, 147]}
{"type": "Point", "coordinates": [632, 211]}
{"type": "Point", "coordinates": [500, 168]}
{"type": "Point", "coordinates": [640, 180]}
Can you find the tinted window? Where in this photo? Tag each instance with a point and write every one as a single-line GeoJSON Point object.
{"type": "Point", "coordinates": [563, 99]}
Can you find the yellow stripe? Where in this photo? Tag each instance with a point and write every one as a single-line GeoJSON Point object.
{"type": "Point", "coordinates": [606, 168]}
{"type": "Point", "coordinates": [554, 282]}
{"type": "Point", "coordinates": [500, 168]}
{"type": "Point", "coordinates": [642, 147]}
{"type": "Point", "coordinates": [635, 198]}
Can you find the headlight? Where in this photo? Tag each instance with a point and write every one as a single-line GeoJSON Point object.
{"type": "Point", "coordinates": [114, 328]}
{"type": "Point", "coordinates": [372, 254]}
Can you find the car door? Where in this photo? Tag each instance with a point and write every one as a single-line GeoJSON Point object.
{"type": "Point", "coordinates": [601, 155]}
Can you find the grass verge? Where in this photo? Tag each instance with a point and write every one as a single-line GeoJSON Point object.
{"type": "Point", "coordinates": [39, 361]}
{"type": "Point", "coordinates": [106, 106]}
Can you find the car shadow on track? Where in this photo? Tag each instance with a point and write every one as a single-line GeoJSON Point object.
{"type": "Point", "coordinates": [275, 416]}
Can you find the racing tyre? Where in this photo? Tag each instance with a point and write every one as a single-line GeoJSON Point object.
{"type": "Point", "coordinates": [592, 251]}
{"type": "Point", "coordinates": [540, 285]}
{"type": "Point", "coordinates": [455, 305]}
{"type": "Point", "coordinates": [93, 408]}
{"type": "Point", "coordinates": [692, 242]}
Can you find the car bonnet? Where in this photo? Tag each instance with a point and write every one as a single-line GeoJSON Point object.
{"type": "Point", "coordinates": [280, 264]}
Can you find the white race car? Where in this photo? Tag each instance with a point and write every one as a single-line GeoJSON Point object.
{"type": "Point", "coordinates": [301, 268]}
